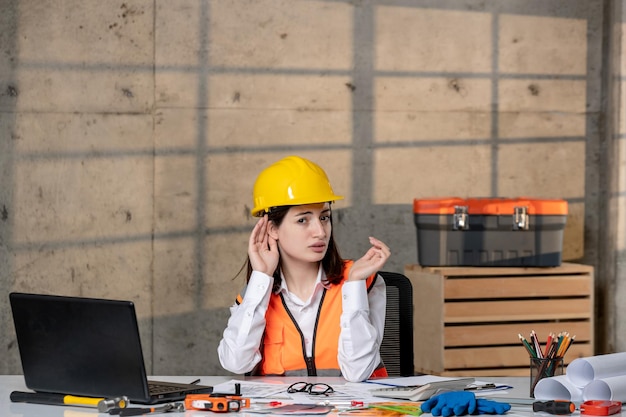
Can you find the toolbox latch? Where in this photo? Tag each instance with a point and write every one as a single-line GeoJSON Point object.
{"type": "Point", "coordinates": [461, 221]}
{"type": "Point", "coordinates": [520, 218]}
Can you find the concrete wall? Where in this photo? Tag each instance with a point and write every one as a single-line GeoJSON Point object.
{"type": "Point", "coordinates": [131, 133]}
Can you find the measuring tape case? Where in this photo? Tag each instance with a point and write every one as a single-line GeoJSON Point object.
{"type": "Point", "coordinates": [600, 407]}
{"type": "Point", "coordinates": [489, 231]}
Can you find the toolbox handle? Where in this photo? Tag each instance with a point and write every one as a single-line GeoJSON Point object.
{"type": "Point", "coordinates": [520, 218]}
{"type": "Point", "coordinates": [460, 218]}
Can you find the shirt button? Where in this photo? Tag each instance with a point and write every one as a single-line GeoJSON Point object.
{"type": "Point", "coordinates": [345, 297]}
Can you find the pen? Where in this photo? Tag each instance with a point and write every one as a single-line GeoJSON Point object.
{"type": "Point", "coordinates": [384, 383]}
{"type": "Point", "coordinates": [352, 403]}
{"type": "Point", "coordinates": [347, 403]}
{"type": "Point", "coordinates": [479, 387]}
{"type": "Point", "coordinates": [265, 401]}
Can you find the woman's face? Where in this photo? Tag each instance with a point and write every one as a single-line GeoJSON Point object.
{"type": "Point", "coordinates": [304, 233]}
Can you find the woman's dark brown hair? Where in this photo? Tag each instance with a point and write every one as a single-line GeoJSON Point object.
{"type": "Point", "coordinates": [332, 263]}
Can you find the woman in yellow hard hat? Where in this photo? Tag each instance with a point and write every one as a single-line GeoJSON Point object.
{"type": "Point", "coordinates": [305, 310]}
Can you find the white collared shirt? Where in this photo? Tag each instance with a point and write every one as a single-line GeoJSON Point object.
{"type": "Point", "coordinates": [362, 324]}
{"type": "Point", "coordinates": [305, 312]}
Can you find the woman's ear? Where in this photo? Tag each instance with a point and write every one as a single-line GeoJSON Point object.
{"type": "Point", "coordinates": [272, 230]}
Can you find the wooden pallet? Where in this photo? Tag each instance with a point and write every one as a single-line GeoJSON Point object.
{"type": "Point", "coordinates": [467, 319]}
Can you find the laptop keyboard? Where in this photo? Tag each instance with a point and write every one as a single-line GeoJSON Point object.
{"type": "Point", "coordinates": [162, 388]}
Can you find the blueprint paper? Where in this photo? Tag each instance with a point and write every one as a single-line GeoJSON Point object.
{"type": "Point", "coordinates": [558, 387]}
{"type": "Point", "coordinates": [601, 377]}
{"type": "Point", "coordinates": [582, 371]}
{"type": "Point", "coordinates": [611, 388]}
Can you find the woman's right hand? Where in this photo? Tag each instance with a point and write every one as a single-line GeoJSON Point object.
{"type": "Point", "coordinates": [263, 249]}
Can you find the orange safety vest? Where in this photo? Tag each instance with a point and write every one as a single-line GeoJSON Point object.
{"type": "Point", "coordinates": [283, 349]}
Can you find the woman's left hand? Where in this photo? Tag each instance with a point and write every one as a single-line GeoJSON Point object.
{"type": "Point", "coordinates": [371, 262]}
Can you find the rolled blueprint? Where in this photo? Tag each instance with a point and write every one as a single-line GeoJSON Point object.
{"type": "Point", "coordinates": [582, 371]}
{"type": "Point", "coordinates": [558, 387]}
{"type": "Point", "coordinates": [611, 388]}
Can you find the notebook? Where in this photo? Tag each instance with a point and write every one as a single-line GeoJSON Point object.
{"type": "Point", "coordinates": [87, 347]}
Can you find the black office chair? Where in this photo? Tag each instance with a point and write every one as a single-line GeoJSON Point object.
{"type": "Point", "coordinates": [396, 349]}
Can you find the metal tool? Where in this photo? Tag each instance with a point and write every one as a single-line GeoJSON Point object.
{"type": "Point", "coordinates": [137, 411]}
{"type": "Point", "coordinates": [107, 404]}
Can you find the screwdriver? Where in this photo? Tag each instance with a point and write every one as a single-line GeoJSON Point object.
{"type": "Point", "coordinates": [555, 407]}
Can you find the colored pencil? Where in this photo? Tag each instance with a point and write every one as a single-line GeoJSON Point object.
{"type": "Point", "coordinates": [535, 340]}
{"type": "Point", "coordinates": [527, 346]}
{"type": "Point", "coordinates": [548, 345]}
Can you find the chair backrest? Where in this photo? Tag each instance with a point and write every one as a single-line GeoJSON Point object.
{"type": "Point", "coordinates": [396, 349]}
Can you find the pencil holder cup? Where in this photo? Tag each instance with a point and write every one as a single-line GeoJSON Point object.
{"type": "Point", "coordinates": [543, 368]}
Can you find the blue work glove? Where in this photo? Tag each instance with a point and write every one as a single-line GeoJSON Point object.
{"type": "Point", "coordinates": [456, 403]}
{"type": "Point", "coordinates": [491, 407]}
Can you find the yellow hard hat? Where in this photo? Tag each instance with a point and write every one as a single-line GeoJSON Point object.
{"type": "Point", "coordinates": [292, 181]}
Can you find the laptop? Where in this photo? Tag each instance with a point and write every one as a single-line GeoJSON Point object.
{"type": "Point", "coordinates": [87, 347]}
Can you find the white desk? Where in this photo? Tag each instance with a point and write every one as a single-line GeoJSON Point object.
{"type": "Point", "coordinates": [9, 383]}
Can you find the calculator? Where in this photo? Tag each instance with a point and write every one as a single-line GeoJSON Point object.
{"type": "Point", "coordinates": [422, 392]}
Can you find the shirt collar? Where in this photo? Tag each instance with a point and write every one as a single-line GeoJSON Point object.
{"type": "Point", "coordinates": [321, 280]}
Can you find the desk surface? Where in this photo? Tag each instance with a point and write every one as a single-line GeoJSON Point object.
{"type": "Point", "coordinates": [9, 383]}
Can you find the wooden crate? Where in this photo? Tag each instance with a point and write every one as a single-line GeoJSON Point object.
{"type": "Point", "coordinates": [467, 319]}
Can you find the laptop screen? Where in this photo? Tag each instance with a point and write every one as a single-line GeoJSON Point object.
{"type": "Point", "coordinates": [79, 346]}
